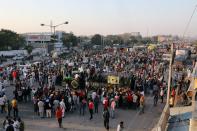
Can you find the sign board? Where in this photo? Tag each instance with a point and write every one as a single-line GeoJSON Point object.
{"type": "Point", "coordinates": [181, 52]}
{"type": "Point", "coordinates": [113, 80]}
{"type": "Point", "coordinates": [39, 37]}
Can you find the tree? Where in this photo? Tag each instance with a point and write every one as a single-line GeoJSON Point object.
{"type": "Point", "coordinates": [69, 39]}
{"type": "Point", "coordinates": [29, 49]}
{"type": "Point", "coordinates": [96, 39]}
{"type": "Point", "coordinates": [11, 40]}
{"type": "Point", "coordinates": [146, 40]}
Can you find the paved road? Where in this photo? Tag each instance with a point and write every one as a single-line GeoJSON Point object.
{"type": "Point", "coordinates": [74, 122]}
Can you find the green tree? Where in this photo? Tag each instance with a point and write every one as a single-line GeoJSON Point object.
{"type": "Point", "coordinates": [96, 39]}
{"type": "Point", "coordinates": [146, 40]}
{"type": "Point", "coordinates": [69, 39]}
{"type": "Point", "coordinates": [11, 40]}
{"type": "Point", "coordinates": [29, 49]}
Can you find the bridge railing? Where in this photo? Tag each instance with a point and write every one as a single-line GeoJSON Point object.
{"type": "Point", "coordinates": [162, 123]}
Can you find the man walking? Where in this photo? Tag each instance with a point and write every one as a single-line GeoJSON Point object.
{"type": "Point", "coordinates": [113, 105]}
{"type": "Point", "coordinates": [162, 94]}
{"type": "Point", "coordinates": [155, 98]}
{"type": "Point", "coordinates": [91, 107]}
{"type": "Point", "coordinates": [48, 108]}
{"type": "Point", "coordinates": [59, 116]}
{"type": "Point", "coordinates": [41, 108]}
{"type": "Point", "coordinates": [142, 101]}
{"type": "Point", "coordinates": [15, 107]}
{"type": "Point", "coordinates": [96, 102]}
{"type": "Point", "coordinates": [106, 116]}
{"type": "Point", "coordinates": [83, 106]}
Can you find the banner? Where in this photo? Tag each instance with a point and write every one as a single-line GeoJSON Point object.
{"type": "Point", "coordinates": [113, 80]}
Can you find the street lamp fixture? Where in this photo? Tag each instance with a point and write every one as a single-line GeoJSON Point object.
{"type": "Point", "coordinates": [66, 22]}
{"type": "Point", "coordinates": [54, 26]}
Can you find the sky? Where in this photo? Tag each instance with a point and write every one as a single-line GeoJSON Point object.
{"type": "Point", "coordinates": [89, 17]}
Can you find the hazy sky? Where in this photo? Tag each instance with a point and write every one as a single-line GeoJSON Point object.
{"type": "Point", "coordinates": [87, 17]}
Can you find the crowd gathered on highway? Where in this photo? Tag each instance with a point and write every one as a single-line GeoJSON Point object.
{"type": "Point", "coordinates": [80, 83]}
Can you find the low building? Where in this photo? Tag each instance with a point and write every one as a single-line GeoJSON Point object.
{"type": "Point", "coordinates": [43, 40]}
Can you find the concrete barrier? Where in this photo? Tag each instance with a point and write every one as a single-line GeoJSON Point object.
{"type": "Point", "coordinates": [180, 110]}
{"type": "Point", "coordinates": [162, 123]}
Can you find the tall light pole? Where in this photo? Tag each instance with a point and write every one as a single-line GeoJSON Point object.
{"type": "Point", "coordinates": [54, 26]}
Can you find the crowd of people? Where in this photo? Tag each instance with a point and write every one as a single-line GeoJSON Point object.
{"type": "Point", "coordinates": [13, 124]}
{"type": "Point", "coordinates": [48, 84]}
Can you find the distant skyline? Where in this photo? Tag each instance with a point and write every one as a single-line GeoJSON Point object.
{"type": "Point", "coordinates": [89, 17]}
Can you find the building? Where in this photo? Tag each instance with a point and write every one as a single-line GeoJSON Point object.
{"type": "Point", "coordinates": [43, 40]}
{"type": "Point", "coordinates": [166, 38]}
{"type": "Point", "coordinates": [127, 36]}
{"type": "Point", "coordinates": [37, 38]}
{"type": "Point", "coordinates": [136, 34]}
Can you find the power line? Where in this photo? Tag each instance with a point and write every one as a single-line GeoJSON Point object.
{"type": "Point", "coordinates": [186, 28]}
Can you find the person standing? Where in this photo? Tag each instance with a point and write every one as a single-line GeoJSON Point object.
{"type": "Point", "coordinates": [2, 104]}
{"type": "Point", "coordinates": [106, 116]}
{"type": "Point", "coordinates": [48, 108]}
{"type": "Point", "coordinates": [5, 122]}
{"type": "Point", "coordinates": [155, 98]}
{"type": "Point", "coordinates": [59, 116]}
{"type": "Point", "coordinates": [9, 107]}
{"type": "Point", "coordinates": [120, 126]}
{"type": "Point", "coordinates": [162, 94]}
{"type": "Point", "coordinates": [91, 108]}
{"type": "Point", "coordinates": [135, 97]}
{"type": "Point", "coordinates": [41, 108]}
{"type": "Point", "coordinates": [63, 107]}
{"type": "Point", "coordinates": [15, 107]}
{"type": "Point", "coordinates": [21, 125]}
{"type": "Point", "coordinates": [142, 101]}
{"type": "Point", "coordinates": [84, 103]}
{"type": "Point", "coordinates": [96, 102]}
{"type": "Point", "coordinates": [113, 105]}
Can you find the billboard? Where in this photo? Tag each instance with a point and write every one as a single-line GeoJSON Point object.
{"type": "Point", "coordinates": [38, 38]}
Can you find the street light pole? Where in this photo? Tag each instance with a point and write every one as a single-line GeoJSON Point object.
{"type": "Point", "coordinates": [54, 26]}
